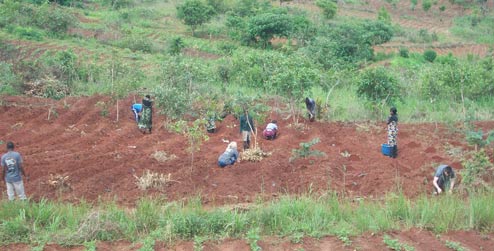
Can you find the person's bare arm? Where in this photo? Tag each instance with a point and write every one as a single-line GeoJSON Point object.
{"type": "Point", "coordinates": [3, 172]}
{"type": "Point", "coordinates": [439, 190]}
{"type": "Point", "coordinates": [22, 171]}
{"type": "Point", "coordinates": [452, 185]}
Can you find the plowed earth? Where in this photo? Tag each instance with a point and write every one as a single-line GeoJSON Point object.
{"type": "Point", "coordinates": [101, 158]}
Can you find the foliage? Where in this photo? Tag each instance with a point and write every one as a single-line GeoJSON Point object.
{"type": "Point", "coordinates": [175, 45]}
{"type": "Point", "coordinates": [10, 82]}
{"type": "Point", "coordinates": [404, 52]}
{"type": "Point", "coordinates": [194, 13]}
{"type": "Point", "coordinates": [426, 5]}
{"type": "Point", "coordinates": [430, 55]}
{"type": "Point", "coordinates": [253, 237]}
{"type": "Point", "coordinates": [305, 150]}
{"type": "Point", "coordinates": [457, 80]}
{"type": "Point", "coordinates": [265, 26]}
{"type": "Point", "coordinates": [473, 170]}
{"type": "Point", "coordinates": [454, 246]}
{"type": "Point", "coordinates": [477, 138]}
{"type": "Point", "coordinates": [329, 8]}
{"type": "Point", "coordinates": [349, 43]}
{"type": "Point", "coordinates": [195, 134]}
{"type": "Point", "coordinates": [179, 82]}
{"type": "Point", "coordinates": [383, 15]}
{"type": "Point", "coordinates": [395, 244]}
{"type": "Point", "coordinates": [378, 88]}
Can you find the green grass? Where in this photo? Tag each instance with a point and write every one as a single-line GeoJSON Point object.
{"type": "Point", "coordinates": [291, 216]}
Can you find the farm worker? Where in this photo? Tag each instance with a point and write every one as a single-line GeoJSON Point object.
{"type": "Point", "coordinates": [310, 104]}
{"type": "Point", "coordinates": [211, 125]}
{"type": "Point", "coordinates": [137, 109]}
{"type": "Point", "coordinates": [146, 121]}
{"type": "Point", "coordinates": [393, 131]}
{"type": "Point", "coordinates": [271, 130]}
{"type": "Point", "coordinates": [246, 128]}
{"type": "Point", "coordinates": [11, 173]}
{"type": "Point", "coordinates": [229, 156]}
{"type": "Point", "coordinates": [443, 177]}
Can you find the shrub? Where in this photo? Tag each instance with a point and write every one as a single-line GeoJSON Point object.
{"type": "Point", "coordinates": [54, 19]}
{"type": "Point", "coordinates": [474, 169]}
{"type": "Point", "coordinates": [329, 7]}
{"type": "Point", "coordinates": [28, 33]}
{"type": "Point", "coordinates": [404, 52]}
{"type": "Point", "coordinates": [383, 15]}
{"type": "Point", "coordinates": [10, 82]}
{"type": "Point", "coordinates": [378, 87]}
{"type": "Point", "coordinates": [194, 13]}
{"type": "Point", "coordinates": [426, 5]}
{"type": "Point", "coordinates": [430, 55]}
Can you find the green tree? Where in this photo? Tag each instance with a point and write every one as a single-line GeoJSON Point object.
{"type": "Point", "coordinates": [329, 7]}
{"type": "Point", "coordinates": [194, 13]}
{"type": "Point", "coordinates": [265, 26]}
{"type": "Point", "coordinates": [195, 134]}
{"type": "Point", "coordinates": [378, 88]}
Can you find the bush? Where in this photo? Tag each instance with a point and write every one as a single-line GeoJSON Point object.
{"type": "Point", "coordinates": [378, 87]}
{"type": "Point", "coordinates": [426, 5]}
{"type": "Point", "coordinates": [28, 33]}
{"type": "Point", "coordinates": [9, 83]}
{"type": "Point", "coordinates": [404, 52]}
{"type": "Point", "coordinates": [430, 55]}
{"type": "Point", "coordinates": [54, 19]}
{"type": "Point", "coordinates": [329, 7]}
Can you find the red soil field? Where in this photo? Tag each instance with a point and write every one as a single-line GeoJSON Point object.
{"type": "Point", "coordinates": [101, 157]}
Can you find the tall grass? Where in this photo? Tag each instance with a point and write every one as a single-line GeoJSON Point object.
{"type": "Point", "coordinates": [308, 215]}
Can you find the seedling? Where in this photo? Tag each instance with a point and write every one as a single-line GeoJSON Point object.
{"type": "Point", "coordinates": [455, 246]}
{"type": "Point", "coordinates": [395, 244]}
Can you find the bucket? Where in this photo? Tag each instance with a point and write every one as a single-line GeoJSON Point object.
{"type": "Point", "coordinates": [386, 149]}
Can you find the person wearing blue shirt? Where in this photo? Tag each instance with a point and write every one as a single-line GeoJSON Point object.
{"type": "Point", "coordinates": [229, 157]}
{"type": "Point", "coordinates": [12, 171]}
{"type": "Point", "coordinates": [137, 109]}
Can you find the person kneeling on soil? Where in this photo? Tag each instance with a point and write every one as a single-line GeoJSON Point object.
{"type": "Point", "coordinates": [444, 178]}
{"type": "Point", "coordinates": [271, 130]}
{"type": "Point", "coordinates": [229, 156]}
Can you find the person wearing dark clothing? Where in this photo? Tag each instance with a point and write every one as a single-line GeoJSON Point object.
{"type": "Point", "coordinates": [229, 157]}
{"type": "Point", "coordinates": [146, 121]}
{"type": "Point", "coordinates": [246, 128]}
{"type": "Point", "coordinates": [393, 131]}
{"type": "Point", "coordinates": [444, 178]}
{"type": "Point", "coordinates": [310, 104]}
{"type": "Point", "coordinates": [11, 173]}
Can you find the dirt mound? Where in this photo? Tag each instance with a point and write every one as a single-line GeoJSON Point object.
{"type": "Point", "coordinates": [101, 157]}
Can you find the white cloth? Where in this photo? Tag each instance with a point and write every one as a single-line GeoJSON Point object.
{"type": "Point", "coordinates": [271, 127]}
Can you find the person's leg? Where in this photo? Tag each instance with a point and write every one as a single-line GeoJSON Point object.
{"type": "Point", "coordinates": [10, 191]}
{"type": "Point", "coordinates": [19, 190]}
{"type": "Point", "coordinates": [245, 137]}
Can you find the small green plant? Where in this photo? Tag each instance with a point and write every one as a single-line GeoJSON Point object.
{"type": "Point", "coordinates": [253, 237]}
{"type": "Point", "coordinates": [476, 138]}
{"type": "Point", "coordinates": [328, 7]}
{"type": "Point", "coordinates": [404, 53]}
{"type": "Point", "coordinates": [426, 5]}
{"type": "Point", "coordinates": [442, 8]}
{"type": "Point", "coordinates": [395, 244]}
{"type": "Point", "coordinates": [343, 235]}
{"type": "Point", "coordinates": [454, 246]}
{"type": "Point", "coordinates": [304, 151]}
{"type": "Point", "coordinates": [430, 55]}
{"type": "Point", "coordinates": [199, 243]}
{"type": "Point", "coordinates": [90, 246]}
{"type": "Point", "coordinates": [104, 108]}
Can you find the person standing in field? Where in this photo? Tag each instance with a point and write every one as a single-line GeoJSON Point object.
{"type": "Point", "coordinates": [146, 121]}
{"type": "Point", "coordinates": [11, 173]}
{"type": "Point", "coordinates": [246, 128]}
{"type": "Point", "coordinates": [393, 131]}
{"type": "Point", "coordinates": [444, 178]}
{"type": "Point", "coordinates": [310, 104]}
